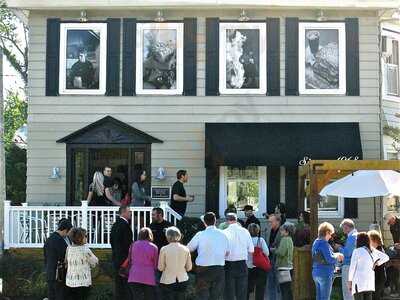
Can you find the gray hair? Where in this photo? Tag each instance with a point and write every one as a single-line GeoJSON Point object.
{"type": "Point", "coordinates": [173, 234]}
{"type": "Point", "coordinates": [348, 222]}
{"type": "Point", "coordinates": [232, 217]}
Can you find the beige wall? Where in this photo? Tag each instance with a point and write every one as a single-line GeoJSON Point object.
{"type": "Point", "coordinates": [179, 121]}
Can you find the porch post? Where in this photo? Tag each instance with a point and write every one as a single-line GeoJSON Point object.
{"type": "Point", "coordinates": [84, 208]}
{"type": "Point", "coordinates": [6, 234]}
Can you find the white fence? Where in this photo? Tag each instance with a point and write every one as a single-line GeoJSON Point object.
{"type": "Point", "coordinates": [29, 226]}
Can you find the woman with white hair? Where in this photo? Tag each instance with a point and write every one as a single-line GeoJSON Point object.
{"type": "Point", "coordinates": [174, 263]}
{"type": "Point", "coordinates": [96, 195]}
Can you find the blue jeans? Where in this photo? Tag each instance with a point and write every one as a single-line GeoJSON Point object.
{"type": "Point", "coordinates": [323, 286]}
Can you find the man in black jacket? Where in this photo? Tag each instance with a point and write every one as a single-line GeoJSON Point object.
{"type": "Point", "coordinates": [121, 240]}
{"type": "Point", "coordinates": [54, 252]}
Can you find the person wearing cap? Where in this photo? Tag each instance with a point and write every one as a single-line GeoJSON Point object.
{"type": "Point", "coordinates": [212, 247]}
{"type": "Point", "coordinates": [240, 247]}
{"type": "Point", "coordinates": [54, 252]}
{"type": "Point", "coordinates": [250, 217]}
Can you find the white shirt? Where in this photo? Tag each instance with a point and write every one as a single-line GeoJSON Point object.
{"type": "Point", "coordinates": [240, 243]}
{"type": "Point", "coordinates": [212, 246]}
{"type": "Point", "coordinates": [257, 242]}
{"type": "Point", "coordinates": [361, 272]}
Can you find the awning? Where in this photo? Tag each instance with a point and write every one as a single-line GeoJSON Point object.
{"type": "Point", "coordinates": [279, 144]}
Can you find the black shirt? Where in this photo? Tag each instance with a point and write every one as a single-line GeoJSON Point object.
{"type": "Point", "coordinates": [395, 231]}
{"type": "Point", "coordinates": [158, 230]}
{"type": "Point", "coordinates": [178, 206]}
{"type": "Point", "coordinates": [97, 200]}
{"type": "Point", "coordinates": [251, 219]}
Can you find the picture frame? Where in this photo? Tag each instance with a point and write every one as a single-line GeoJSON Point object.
{"type": "Point", "coordinates": [322, 58]}
{"type": "Point", "coordinates": [83, 59]}
{"type": "Point", "coordinates": [243, 58]}
{"type": "Point", "coordinates": [159, 58]}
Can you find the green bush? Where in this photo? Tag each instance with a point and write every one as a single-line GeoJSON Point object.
{"type": "Point", "coordinates": [189, 227]}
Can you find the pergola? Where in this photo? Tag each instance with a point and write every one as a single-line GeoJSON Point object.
{"type": "Point", "coordinates": [320, 172]}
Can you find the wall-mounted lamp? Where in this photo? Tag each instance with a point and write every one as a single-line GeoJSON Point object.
{"type": "Point", "coordinates": [243, 17]}
{"type": "Point", "coordinates": [83, 17]}
{"type": "Point", "coordinates": [161, 173]}
{"type": "Point", "coordinates": [55, 173]}
{"type": "Point", "coordinates": [320, 16]}
{"type": "Point", "coordinates": [160, 17]}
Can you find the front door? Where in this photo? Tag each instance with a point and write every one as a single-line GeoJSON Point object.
{"type": "Point", "coordinates": [123, 159]}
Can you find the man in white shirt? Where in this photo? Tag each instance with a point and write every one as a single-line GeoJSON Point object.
{"type": "Point", "coordinates": [212, 247]}
{"type": "Point", "coordinates": [240, 247]}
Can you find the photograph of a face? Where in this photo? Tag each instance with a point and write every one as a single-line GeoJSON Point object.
{"type": "Point", "coordinates": [242, 58]}
{"type": "Point", "coordinates": [322, 58]}
{"type": "Point", "coordinates": [160, 58]}
{"type": "Point", "coordinates": [83, 58]}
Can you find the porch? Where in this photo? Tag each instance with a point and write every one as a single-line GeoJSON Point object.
{"type": "Point", "coordinates": [29, 226]}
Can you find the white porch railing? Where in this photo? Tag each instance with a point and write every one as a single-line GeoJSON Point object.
{"type": "Point", "coordinates": [29, 226]}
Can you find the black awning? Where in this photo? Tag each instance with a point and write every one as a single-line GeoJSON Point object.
{"type": "Point", "coordinates": [279, 144]}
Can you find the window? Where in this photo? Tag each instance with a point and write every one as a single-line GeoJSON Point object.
{"type": "Point", "coordinates": [83, 50]}
{"type": "Point", "coordinates": [391, 65]}
{"type": "Point", "coordinates": [243, 186]}
{"type": "Point", "coordinates": [392, 156]}
{"type": "Point", "coordinates": [328, 207]}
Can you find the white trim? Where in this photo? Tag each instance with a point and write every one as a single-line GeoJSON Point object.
{"type": "Point", "coordinates": [262, 27]}
{"type": "Point", "coordinates": [262, 192]}
{"type": "Point", "coordinates": [64, 27]}
{"type": "Point", "coordinates": [342, 58]}
{"type": "Point", "coordinates": [179, 58]}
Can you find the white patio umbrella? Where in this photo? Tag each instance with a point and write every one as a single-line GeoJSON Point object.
{"type": "Point", "coordinates": [365, 184]}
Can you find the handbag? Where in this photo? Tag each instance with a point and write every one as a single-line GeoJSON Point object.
{"type": "Point", "coordinates": [125, 266]}
{"type": "Point", "coordinates": [61, 271]}
{"type": "Point", "coordinates": [260, 260]}
{"type": "Point", "coordinates": [284, 276]}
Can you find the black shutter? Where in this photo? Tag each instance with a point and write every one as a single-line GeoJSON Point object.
{"type": "Point", "coordinates": [129, 57]}
{"type": "Point", "coordinates": [189, 61]}
{"type": "Point", "coordinates": [52, 56]}
{"type": "Point", "coordinates": [212, 56]}
{"type": "Point", "coordinates": [273, 57]}
{"type": "Point", "coordinates": [292, 57]}
{"type": "Point", "coordinates": [291, 184]}
{"type": "Point", "coordinates": [352, 58]}
{"type": "Point", "coordinates": [212, 190]}
{"type": "Point", "coordinates": [113, 56]}
{"type": "Point", "coordinates": [273, 188]}
{"type": "Point", "coordinates": [351, 208]}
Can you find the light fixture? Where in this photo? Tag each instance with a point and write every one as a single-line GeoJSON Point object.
{"type": "Point", "coordinates": [55, 173]}
{"type": "Point", "coordinates": [83, 17]}
{"type": "Point", "coordinates": [243, 17]}
{"type": "Point", "coordinates": [161, 173]}
{"type": "Point", "coordinates": [320, 16]}
{"type": "Point", "coordinates": [160, 17]}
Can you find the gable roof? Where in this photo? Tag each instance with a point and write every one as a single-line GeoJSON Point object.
{"type": "Point", "coordinates": [109, 130]}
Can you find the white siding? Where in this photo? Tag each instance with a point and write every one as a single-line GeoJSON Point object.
{"type": "Point", "coordinates": [179, 121]}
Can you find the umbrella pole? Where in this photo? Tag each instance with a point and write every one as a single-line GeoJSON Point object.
{"type": "Point", "coordinates": [375, 210]}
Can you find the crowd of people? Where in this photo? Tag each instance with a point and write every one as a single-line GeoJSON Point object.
{"type": "Point", "coordinates": [230, 259]}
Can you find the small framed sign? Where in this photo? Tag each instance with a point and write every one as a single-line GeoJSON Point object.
{"type": "Point", "coordinates": [160, 192]}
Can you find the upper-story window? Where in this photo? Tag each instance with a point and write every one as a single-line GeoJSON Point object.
{"type": "Point", "coordinates": [391, 63]}
{"type": "Point", "coordinates": [83, 49]}
{"type": "Point", "coordinates": [322, 58]}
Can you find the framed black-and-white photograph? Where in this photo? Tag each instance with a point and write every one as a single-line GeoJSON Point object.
{"type": "Point", "coordinates": [159, 57]}
{"type": "Point", "coordinates": [83, 58]}
{"type": "Point", "coordinates": [322, 58]}
{"type": "Point", "coordinates": [242, 58]}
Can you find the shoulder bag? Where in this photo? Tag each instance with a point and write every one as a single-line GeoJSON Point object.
{"type": "Point", "coordinates": [260, 260]}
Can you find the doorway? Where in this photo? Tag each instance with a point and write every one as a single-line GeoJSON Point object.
{"type": "Point", "coordinates": [85, 160]}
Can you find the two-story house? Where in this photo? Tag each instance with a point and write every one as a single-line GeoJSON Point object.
{"type": "Point", "coordinates": [238, 93]}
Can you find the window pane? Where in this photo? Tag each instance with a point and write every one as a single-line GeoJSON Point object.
{"type": "Point", "coordinates": [242, 187]}
{"type": "Point", "coordinates": [79, 188]}
{"type": "Point", "coordinates": [391, 156]}
{"type": "Point", "coordinates": [393, 204]}
{"type": "Point", "coordinates": [329, 204]}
